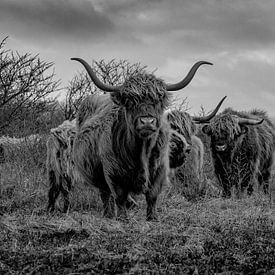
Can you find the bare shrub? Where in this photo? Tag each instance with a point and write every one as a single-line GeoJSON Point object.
{"type": "Point", "coordinates": [25, 85]}
{"type": "Point", "coordinates": [29, 151]}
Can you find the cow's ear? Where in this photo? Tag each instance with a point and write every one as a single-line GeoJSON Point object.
{"type": "Point", "coordinates": [206, 130]}
{"type": "Point", "coordinates": [244, 129]}
{"type": "Point", "coordinates": [116, 99]}
{"type": "Point", "coordinates": [119, 99]}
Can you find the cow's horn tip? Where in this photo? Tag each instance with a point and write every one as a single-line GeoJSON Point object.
{"type": "Point", "coordinates": [207, 63]}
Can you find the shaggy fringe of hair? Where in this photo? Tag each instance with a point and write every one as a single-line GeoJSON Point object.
{"type": "Point", "coordinates": [143, 88]}
{"type": "Point", "coordinates": [225, 122]}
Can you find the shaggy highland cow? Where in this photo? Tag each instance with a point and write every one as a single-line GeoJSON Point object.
{"type": "Point", "coordinates": [186, 157]}
{"type": "Point", "coordinates": [242, 145]}
{"type": "Point", "coordinates": [122, 144]}
{"type": "Point", "coordinates": [60, 167]}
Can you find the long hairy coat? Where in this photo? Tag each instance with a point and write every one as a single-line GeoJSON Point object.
{"type": "Point", "coordinates": [110, 155]}
{"type": "Point", "coordinates": [197, 156]}
{"type": "Point", "coordinates": [60, 167]}
{"type": "Point", "coordinates": [242, 154]}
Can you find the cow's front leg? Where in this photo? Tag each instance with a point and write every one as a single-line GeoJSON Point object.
{"type": "Point", "coordinates": [157, 181]}
{"type": "Point", "coordinates": [108, 203]}
{"type": "Point", "coordinates": [151, 213]}
{"type": "Point", "coordinates": [121, 203]}
{"type": "Point", "coordinates": [119, 193]}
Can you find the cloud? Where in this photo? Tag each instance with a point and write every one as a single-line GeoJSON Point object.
{"type": "Point", "coordinates": [43, 19]}
{"type": "Point", "coordinates": [208, 24]}
{"type": "Point", "coordinates": [237, 36]}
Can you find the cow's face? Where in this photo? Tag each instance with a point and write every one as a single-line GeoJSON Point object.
{"type": "Point", "coordinates": [143, 100]}
{"type": "Point", "coordinates": [179, 149]}
{"type": "Point", "coordinates": [225, 131]}
{"type": "Point", "coordinates": [145, 118]}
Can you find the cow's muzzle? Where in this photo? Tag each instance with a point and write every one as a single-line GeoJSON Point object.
{"type": "Point", "coordinates": [146, 126]}
{"type": "Point", "coordinates": [220, 147]}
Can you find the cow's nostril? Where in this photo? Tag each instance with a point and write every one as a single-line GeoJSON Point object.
{"type": "Point", "coordinates": [173, 145]}
{"type": "Point", "coordinates": [143, 120]}
{"type": "Point", "coordinates": [188, 150]}
{"type": "Point", "coordinates": [147, 120]}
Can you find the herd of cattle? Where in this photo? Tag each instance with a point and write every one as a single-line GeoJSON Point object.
{"type": "Point", "coordinates": [128, 142]}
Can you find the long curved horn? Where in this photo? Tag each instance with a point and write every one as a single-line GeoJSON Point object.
{"type": "Point", "coordinates": [249, 121]}
{"type": "Point", "coordinates": [95, 79]}
{"type": "Point", "coordinates": [187, 79]}
{"type": "Point", "coordinates": [206, 119]}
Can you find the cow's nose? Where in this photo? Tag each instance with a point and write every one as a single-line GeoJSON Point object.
{"type": "Point", "coordinates": [148, 121]}
{"type": "Point", "coordinates": [188, 149]}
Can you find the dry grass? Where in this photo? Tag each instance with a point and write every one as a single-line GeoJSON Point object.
{"type": "Point", "coordinates": [208, 236]}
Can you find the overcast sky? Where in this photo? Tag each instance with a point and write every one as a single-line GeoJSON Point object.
{"type": "Point", "coordinates": [237, 36]}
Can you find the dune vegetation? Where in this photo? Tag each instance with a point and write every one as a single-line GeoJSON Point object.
{"type": "Point", "coordinates": [202, 235]}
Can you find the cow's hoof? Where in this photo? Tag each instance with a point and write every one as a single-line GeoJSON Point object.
{"type": "Point", "coordinates": [108, 215]}
{"type": "Point", "coordinates": [152, 218]}
{"type": "Point", "coordinates": [123, 218]}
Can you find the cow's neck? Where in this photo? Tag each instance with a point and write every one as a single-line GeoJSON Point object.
{"type": "Point", "coordinates": [129, 147]}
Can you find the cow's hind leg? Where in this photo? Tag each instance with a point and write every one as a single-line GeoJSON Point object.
{"type": "Point", "coordinates": [264, 180]}
{"type": "Point", "coordinates": [65, 190]}
{"type": "Point", "coordinates": [121, 201]}
{"type": "Point", "coordinates": [131, 202]}
{"type": "Point", "coordinates": [151, 214]}
{"type": "Point", "coordinates": [108, 203]}
{"type": "Point", "coordinates": [267, 174]}
{"type": "Point", "coordinates": [53, 192]}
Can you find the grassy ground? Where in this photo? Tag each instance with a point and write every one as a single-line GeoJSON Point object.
{"type": "Point", "coordinates": [209, 236]}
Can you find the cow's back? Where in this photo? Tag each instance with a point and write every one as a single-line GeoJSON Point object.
{"type": "Point", "coordinates": [92, 105]}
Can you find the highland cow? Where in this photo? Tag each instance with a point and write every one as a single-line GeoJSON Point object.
{"type": "Point", "coordinates": [122, 143]}
{"type": "Point", "coordinates": [60, 167]}
{"type": "Point", "coordinates": [186, 157]}
{"type": "Point", "coordinates": [242, 145]}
